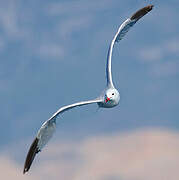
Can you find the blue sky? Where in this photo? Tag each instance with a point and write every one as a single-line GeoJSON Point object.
{"type": "Point", "coordinates": [53, 53]}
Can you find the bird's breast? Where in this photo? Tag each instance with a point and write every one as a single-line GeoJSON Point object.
{"type": "Point", "coordinates": [108, 104]}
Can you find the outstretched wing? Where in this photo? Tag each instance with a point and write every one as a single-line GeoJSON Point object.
{"type": "Point", "coordinates": [47, 130]}
{"type": "Point", "coordinates": [123, 29]}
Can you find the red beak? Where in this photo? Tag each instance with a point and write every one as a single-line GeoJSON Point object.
{"type": "Point", "coordinates": [107, 99]}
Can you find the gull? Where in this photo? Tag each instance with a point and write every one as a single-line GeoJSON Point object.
{"type": "Point", "coordinates": [109, 98]}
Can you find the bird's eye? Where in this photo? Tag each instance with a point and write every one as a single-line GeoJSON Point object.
{"type": "Point", "coordinates": [112, 93]}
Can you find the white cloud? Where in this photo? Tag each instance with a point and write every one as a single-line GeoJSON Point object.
{"type": "Point", "coordinates": [162, 58]}
{"type": "Point", "coordinates": [165, 69]}
{"type": "Point", "coordinates": [11, 170]}
{"type": "Point", "coordinates": [78, 7]}
{"type": "Point", "coordinates": [151, 54]}
{"type": "Point", "coordinates": [2, 44]}
{"type": "Point", "coordinates": [16, 27]}
{"type": "Point", "coordinates": [51, 50]}
{"type": "Point", "coordinates": [173, 46]}
{"type": "Point", "coordinates": [157, 52]}
{"type": "Point", "coordinates": [9, 20]}
{"type": "Point", "coordinates": [144, 154]}
{"type": "Point", "coordinates": [76, 15]}
{"type": "Point", "coordinates": [69, 26]}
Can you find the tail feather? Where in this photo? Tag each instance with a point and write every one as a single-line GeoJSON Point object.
{"type": "Point", "coordinates": [31, 155]}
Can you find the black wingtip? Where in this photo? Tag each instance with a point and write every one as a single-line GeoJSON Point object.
{"type": "Point", "coordinates": [141, 12]}
{"type": "Point", "coordinates": [31, 155]}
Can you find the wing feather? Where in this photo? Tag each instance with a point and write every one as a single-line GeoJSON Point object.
{"type": "Point", "coordinates": [123, 29]}
{"type": "Point", "coordinates": [46, 132]}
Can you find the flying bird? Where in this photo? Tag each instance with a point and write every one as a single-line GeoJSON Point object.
{"type": "Point", "coordinates": [109, 98]}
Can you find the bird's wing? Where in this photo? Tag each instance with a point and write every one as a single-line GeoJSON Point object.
{"type": "Point", "coordinates": [123, 29]}
{"type": "Point", "coordinates": [47, 130]}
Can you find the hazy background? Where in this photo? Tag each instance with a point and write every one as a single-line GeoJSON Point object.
{"type": "Point", "coordinates": [53, 53]}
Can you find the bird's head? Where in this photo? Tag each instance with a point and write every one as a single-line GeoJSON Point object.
{"type": "Point", "coordinates": [112, 96]}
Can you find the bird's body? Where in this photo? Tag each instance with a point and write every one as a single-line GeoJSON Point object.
{"type": "Point", "coordinates": [109, 98]}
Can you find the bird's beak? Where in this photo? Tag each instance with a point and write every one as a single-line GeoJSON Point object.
{"type": "Point", "coordinates": [107, 99]}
